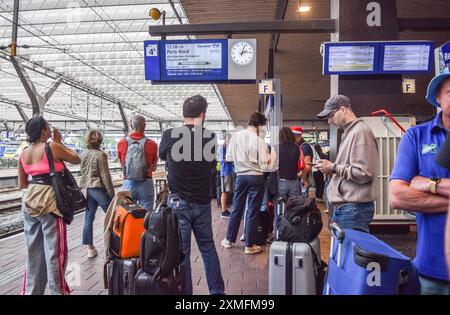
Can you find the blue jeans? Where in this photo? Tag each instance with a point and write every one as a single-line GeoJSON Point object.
{"type": "Point", "coordinates": [141, 191]}
{"type": "Point", "coordinates": [430, 286]}
{"type": "Point", "coordinates": [95, 197]}
{"type": "Point", "coordinates": [251, 186]}
{"type": "Point", "coordinates": [194, 217]}
{"type": "Point", "coordinates": [288, 188]}
{"type": "Point", "coordinates": [355, 216]}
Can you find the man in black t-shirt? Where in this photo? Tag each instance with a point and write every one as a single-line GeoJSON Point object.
{"type": "Point", "coordinates": [444, 160]}
{"type": "Point", "coordinates": [190, 155]}
{"type": "Point", "coordinates": [307, 158]}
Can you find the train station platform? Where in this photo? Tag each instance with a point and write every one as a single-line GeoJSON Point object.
{"type": "Point", "coordinates": [243, 274]}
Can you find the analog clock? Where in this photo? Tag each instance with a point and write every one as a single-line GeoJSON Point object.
{"type": "Point", "coordinates": [242, 53]}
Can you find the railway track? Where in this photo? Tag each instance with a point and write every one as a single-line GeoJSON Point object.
{"type": "Point", "coordinates": [9, 208]}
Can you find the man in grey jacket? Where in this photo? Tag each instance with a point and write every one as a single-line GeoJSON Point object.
{"type": "Point", "coordinates": [352, 189]}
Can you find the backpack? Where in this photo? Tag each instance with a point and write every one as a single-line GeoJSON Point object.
{"type": "Point", "coordinates": [301, 221]}
{"type": "Point", "coordinates": [161, 250]}
{"type": "Point", "coordinates": [135, 166]}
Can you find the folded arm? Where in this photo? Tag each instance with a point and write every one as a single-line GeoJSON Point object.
{"type": "Point", "coordinates": [403, 196]}
{"type": "Point", "coordinates": [423, 184]}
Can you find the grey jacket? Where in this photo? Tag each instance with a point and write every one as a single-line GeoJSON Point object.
{"type": "Point", "coordinates": [94, 171]}
{"type": "Point", "coordinates": [355, 179]}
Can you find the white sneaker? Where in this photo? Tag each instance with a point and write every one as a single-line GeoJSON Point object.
{"type": "Point", "coordinates": [252, 250]}
{"type": "Point", "coordinates": [92, 253]}
{"type": "Point", "coordinates": [226, 243]}
{"type": "Point", "coordinates": [242, 239]}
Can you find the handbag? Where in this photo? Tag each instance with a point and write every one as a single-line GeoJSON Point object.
{"type": "Point", "coordinates": [69, 197]}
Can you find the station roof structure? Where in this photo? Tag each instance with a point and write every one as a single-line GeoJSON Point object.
{"type": "Point", "coordinates": [96, 46]}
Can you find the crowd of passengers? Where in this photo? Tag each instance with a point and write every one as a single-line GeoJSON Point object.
{"type": "Point", "coordinates": [248, 169]}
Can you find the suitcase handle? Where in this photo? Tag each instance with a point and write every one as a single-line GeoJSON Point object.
{"type": "Point", "coordinates": [337, 232]}
{"type": "Point", "coordinates": [364, 258]}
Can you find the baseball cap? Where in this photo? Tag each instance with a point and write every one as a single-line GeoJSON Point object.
{"type": "Point", "coordinates": [333, 103]}
{"type": "Point", "coordinates": [434, 83]}
{"type": "Point", "coordinates": [297, 130]}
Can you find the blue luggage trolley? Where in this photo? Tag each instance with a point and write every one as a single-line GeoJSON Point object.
{"type": "Point", "coordinates": [361, 264]}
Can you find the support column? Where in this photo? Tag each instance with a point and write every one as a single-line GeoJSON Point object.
{"type": "Point", "coordinates": [126, 127]}
{"type": "Point", "coordinates": [38, 101]}
{"type": "Point", "coordinates": [365, 20]}
{"type": "Point", "coordinates": [275, 115]}
{"type": "Point", "coordinates": [22, 113]}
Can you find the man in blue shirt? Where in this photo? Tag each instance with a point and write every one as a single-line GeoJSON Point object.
{"type": "Point", "coordinates": [444, 160]}
{"type": "Point", "coordinates": [420, 185]}
{"type": "Point", "coordinates": [226, 177]}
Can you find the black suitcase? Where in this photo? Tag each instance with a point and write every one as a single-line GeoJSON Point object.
{"type": "Point", "coordinates": [121, 274]}
{"type": "Point", "coordinates": [173, 284]}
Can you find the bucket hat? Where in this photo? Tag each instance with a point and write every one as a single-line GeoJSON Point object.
{"type": "Point", "coordinates": [434, 83]}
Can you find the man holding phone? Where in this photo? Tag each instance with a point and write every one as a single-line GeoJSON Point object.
{"type": "Point", "coordinates": [352, 189]}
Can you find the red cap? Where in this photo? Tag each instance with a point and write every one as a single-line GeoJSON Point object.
{"type": "Point", "coordinates": [297, 130]}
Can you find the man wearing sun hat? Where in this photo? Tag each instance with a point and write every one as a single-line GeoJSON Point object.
{"type": "Point", "coordinates": [419, 184]}
{"type": "Point", "coordinates": [307, 154]}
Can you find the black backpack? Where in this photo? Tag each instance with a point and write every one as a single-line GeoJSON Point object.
{"type": "Point", "coordinates": [301, 221]}
{"type": "Point", "coordinates": [161, 250]}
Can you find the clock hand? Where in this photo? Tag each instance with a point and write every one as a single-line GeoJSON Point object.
{"type": "Point", "coordinates": [243, 48]}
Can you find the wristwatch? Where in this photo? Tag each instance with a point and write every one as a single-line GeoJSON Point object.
{"type": "Point", "coordinates": [434, 181]}
{"type": "Point", "coordinates": [333, 170]}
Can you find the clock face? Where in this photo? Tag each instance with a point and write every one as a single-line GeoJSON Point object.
{"type": "Point", "coordinates": [242, 53]}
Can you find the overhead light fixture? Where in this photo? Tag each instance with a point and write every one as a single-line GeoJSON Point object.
{"type": "Point", "coordinates": [156, 14]}
{"type": "Point", "coordinates": [304, 9]}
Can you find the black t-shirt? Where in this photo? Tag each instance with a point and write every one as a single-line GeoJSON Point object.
{"type": "Point", "coordinates": [190, 155]}
{"type": "Point", "coordinates": [306, 148]}
{"type": "Point", "coordinates": [444, 155]}
{"type": "Point", "coordinates": [289, 155]}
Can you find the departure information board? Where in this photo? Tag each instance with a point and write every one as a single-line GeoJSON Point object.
{"type": "Point", "coordinates": [393, 57]}
{"type": "Point", "coordinates": [350, 58]}
{"type": "Point", "coordinates": [406, 57]}
{"type": "Point", "coordinates": [186, 60]}
{"type": "Point", "coordinates": [200, 60]}
{"type": "Point", "coordinates": [196, 61]}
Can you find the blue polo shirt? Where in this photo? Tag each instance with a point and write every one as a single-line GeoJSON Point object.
{"type": "Point", "coordinates": [417, 157]}
{"type": "Point", "coordinates": [226, 168]}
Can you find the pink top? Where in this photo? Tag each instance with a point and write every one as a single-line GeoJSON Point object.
{"type": "Point", "coordinates": [42, 167]}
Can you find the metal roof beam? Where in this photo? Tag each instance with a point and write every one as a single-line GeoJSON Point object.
{"type": "Point", "coordinates": [83, 87]}
{"type": "Point", "coordinates": [280, 12]}
{"type": "Point", "coordinates": [86, 21]}
{"type": "Point", "coordinates": [50, 111]}
{"type": "Point", "coordinates": [257, 27]}
{"type": "Point", "coordinates": [64, 6]}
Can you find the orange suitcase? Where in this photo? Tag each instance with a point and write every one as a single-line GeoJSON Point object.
{"type": "Point", "coordinates": [128, 226]}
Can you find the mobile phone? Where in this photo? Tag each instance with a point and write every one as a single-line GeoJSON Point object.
{"type": "Point", "coordinates": [312, 164]}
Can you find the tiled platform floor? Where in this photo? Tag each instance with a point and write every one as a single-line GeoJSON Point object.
{"type": "Point", "coordinates": [242, 274]}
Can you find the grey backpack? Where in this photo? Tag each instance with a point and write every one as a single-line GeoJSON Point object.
{"type": "Point", "coordinates": [135, 166]}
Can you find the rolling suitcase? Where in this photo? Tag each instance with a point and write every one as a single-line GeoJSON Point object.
{"type": "Point", "coordinates": [120, 276]}
{"type": "Point", "coordinates": [293, 268]}
{"type": "Point", "coordinates": [361, 264]}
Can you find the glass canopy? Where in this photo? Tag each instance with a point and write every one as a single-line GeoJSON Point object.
{"type": "Point", "coordinates": [96, 46]}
